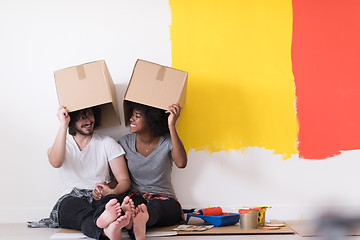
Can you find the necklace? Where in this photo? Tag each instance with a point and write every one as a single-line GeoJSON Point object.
{"type": "Point", "coordinates": [151, 147]}
{"type": "Point", "coordinates": [148, 147]}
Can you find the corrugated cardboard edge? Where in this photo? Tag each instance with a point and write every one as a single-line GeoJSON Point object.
{"type": "Point", "coordinates": [111, 88]}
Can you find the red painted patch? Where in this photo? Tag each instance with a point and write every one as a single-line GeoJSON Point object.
{"type": "Point", "coordinates": [325, 57]}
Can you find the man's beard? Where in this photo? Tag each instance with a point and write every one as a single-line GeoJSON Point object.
{"type": "Point", "coordinates": [80, 131]}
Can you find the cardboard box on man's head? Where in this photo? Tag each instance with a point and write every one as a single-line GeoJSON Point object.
{"type": "Point", "coordinates": [155, 85]}
{"type": "Point", "coordinates": [88, 85]}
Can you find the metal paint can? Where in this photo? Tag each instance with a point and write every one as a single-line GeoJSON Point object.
{"type": "Point", "coordinates": [249, 219]}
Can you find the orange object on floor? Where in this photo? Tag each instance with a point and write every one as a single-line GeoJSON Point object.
{"type": "Point", "coordinates": [213, 211]}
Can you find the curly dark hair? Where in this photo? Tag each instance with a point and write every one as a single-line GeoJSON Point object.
{"type": "Point", "coordinates": [155, 119]}
{"type": "Point", "coordinates": [74, 117]}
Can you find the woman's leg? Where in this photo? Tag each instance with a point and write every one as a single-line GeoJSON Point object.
{"type": "Point", "coordinates": [138, 200]}
{"type": "Point", "coordinates": [163, 212]}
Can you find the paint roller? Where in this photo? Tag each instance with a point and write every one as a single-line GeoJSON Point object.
{"type": "Point", "coordinates": [213, 211]}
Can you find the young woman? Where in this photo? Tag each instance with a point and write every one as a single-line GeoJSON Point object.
{"type": "Point", "coordinates": [151, 148]}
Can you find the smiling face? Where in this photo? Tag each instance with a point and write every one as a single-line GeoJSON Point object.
{"type": "Point", "coordinates": [85, 122]}
{"type": "Point", "coordinates": [137, 122]}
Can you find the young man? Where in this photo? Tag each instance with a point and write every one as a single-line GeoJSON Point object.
{"type": "Point", "coordinates": [85, 159]}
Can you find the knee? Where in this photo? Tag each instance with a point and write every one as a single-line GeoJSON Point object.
{"type": "Point", "coordinates": [71, 207]}
{"type": "Point", "coordinates": [67, 204]}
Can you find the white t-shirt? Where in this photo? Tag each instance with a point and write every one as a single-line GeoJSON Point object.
{"type": "Point", "coordinates": [84, 169]}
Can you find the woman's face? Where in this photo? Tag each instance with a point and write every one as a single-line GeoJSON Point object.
{"type": "Point", "coordinates": [137, 122]}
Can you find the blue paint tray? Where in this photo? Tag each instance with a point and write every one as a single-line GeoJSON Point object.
{"type": "Point", "coordinates": [222, 220]}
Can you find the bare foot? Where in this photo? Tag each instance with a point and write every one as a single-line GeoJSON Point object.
{"type": "Point", "coordinates": [111, 213]}
{"type": "Point", "coordinates": [113, 231]}
{"type": "Point", "coordinates": [139, 222]}
{"type": "Point", "coordinates": [128, 206]}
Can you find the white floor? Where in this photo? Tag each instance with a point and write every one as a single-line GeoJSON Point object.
{"type": "Point", "coordinates": [20, 231]}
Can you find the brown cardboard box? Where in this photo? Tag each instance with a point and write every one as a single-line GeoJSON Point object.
{"type": "Point", "coordinates": [155, 85]}
{"type": "Point", "coordinates": [89, 85]}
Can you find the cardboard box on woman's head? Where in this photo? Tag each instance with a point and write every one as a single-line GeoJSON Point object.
{"type": "Point", "coordinates": [155, 85]}
{"type": "Point", "coordinates": [88, 85]}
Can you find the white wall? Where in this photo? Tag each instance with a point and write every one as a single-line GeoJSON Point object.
{"type": "Point", "coordinates": [40, 36]}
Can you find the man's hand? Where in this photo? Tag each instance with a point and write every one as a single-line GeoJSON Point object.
{"type": "Point", "coordinates": [56, 153]}
{"type": "Point", "coordinates": [63, 115]}
{"type": "Point", "coordinates": [101, 190]}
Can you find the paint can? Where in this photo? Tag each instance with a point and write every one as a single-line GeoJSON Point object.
{"type": "Point", "coordinates": [249, 219]}
{"type": "Point", "coordinates": [261, 220]}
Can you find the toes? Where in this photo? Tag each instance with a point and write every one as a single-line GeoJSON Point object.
{"type": "Point", "coordinates": [113, 201]}
{"type": "Point", "coordinates": [126, 200]}
{"type": "Point", "coordinates": [143, 208]}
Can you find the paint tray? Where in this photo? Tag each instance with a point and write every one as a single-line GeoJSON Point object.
{"type": "Point", "coordinates": [223, 220]}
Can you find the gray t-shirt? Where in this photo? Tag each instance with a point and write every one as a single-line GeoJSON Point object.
{"type": "Point", "coordinates": [151, 174]}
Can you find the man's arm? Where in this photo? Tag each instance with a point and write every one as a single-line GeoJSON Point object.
{"type": "Point", "coordinates": [56, 153]}
{"type": "Point", "coordinates": [121, 174]}
{"type": "Point", "coordinates": [119, 168]}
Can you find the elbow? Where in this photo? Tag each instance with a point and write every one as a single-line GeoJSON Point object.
{"type": "Point", "coordinates": [55, 165]}
{"type": "Point", "coordinates": [182, 164]}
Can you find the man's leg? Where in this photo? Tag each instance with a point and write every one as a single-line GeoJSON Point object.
{"type": "Point", "coordinates": [76, 213]}
{"type": "Point", "coordinates": [111, 213]}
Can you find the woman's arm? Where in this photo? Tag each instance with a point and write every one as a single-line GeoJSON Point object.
{"type": "Point", "coordinates": [178, 152]}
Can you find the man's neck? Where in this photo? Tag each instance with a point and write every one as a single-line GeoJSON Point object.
{"type": "Point", "coordinates": [82, 140]}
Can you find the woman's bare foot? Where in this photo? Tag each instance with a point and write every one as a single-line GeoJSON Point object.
{"type": "Point", "coordinates": [113, 231]}
{"type": "Point", "coordinates": [139, 222]}
{"type": "Point", "coordinates": [111, 213]}
{"type": "Point", "coordinates": [128, 205]}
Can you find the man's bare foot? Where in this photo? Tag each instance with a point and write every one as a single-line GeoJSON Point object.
{"type": "Point", "coordinates": [113, 231]}
{"type": "Point", "coordinates": [111, 213]}
{"type": "Point", "coordinates": [139, 222]}
{"type": "Point", "coordinates": [128, 206]}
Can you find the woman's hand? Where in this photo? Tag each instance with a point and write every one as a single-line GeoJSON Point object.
{"type": "Point", "coordinates": [174, 110]}
{"type": "Point", "coordinates": [178, 152]}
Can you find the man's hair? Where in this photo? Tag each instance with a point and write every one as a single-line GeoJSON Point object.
{"type": "Point", "coordinates": [75, 116]}
{"type": "Point", "coordinates": [155, 119]}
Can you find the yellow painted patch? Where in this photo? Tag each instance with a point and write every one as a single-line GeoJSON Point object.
{"type": "Point", "coordinates": [241, 87]}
